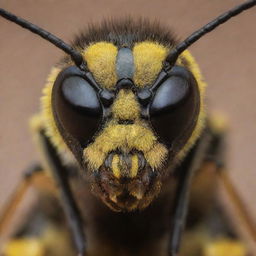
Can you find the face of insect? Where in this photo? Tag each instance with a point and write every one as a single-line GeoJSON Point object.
{"type": "Point", "coordinates": [127, 119]}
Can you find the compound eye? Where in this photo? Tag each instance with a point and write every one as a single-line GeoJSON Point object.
{"type": "Point", "coordinates": [169, 95]}
{"type": "Point", "coordinates": [175, 107]}
{"type": "Point", "coordinates": [77, 108]}
{"type": "Point", "coordinates": [81, 96]}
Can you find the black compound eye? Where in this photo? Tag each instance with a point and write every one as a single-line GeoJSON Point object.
{"type": "Point", "coordinates": [170, 94]}
{"type": "Point", "coordinates": [175, 107]}
{"type": "Point", "coordinates": [77, 108]}
{"type": "Point", "coordinates": [81, 96]}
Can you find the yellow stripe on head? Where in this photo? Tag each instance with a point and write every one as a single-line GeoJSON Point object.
{"type": "Point", "coordinates": [101, 61]}
{"type": "Point", "coordinates": [148, 60]}
{"type": "Point", "coordinates": [126, 106]}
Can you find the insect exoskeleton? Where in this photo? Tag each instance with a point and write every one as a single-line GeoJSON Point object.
{"type": "Point", "coordinates": [128, 119]}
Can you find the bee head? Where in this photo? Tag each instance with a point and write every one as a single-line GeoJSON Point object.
{"type": "Point", "coordinates": [127, 118]}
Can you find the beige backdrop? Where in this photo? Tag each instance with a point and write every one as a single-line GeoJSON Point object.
{"type": "Point", "coordinates": [227, 58]}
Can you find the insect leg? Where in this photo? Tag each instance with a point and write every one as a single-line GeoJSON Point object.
{"type": "Point", "coordinates": [187, 170]}
{"type": "Point", "coordinates": [230, 192]}
{"type": "Point", "coordinates": [238, 204]}
{"type": "Point", "coordinates": [216, 154]}
{"type": "Point", "coordinates": [30, 177]}
{"type": "Point", "coordinates": [60, 174]}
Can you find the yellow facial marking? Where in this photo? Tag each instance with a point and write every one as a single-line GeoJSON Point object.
{"type": "Point", "coordinates": [156, 156]}
{"type": "Point", "coordinates": [96, 157]}
{"type": "Point", "coordinates": [140, 138]}
{"type": "Point", "coordinates": [126, 106]}
{"type": "Point", "coordinates": [125, 138]}
{"type": "Point", "coordinates": [135, 166]}
{"type": "Point", "coordinates": [101, 61]}
{"type": "Point", "coordinates": [148, 59]}
{"type": "Point", "coordinates": [115, 166]}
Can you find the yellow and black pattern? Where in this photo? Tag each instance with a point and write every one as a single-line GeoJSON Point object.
{"type": "Point", "coordinates": [126, 143]}
{"type": "Point", "coordinates": [125, 106]}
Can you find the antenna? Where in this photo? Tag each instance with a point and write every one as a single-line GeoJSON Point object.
{"type": "Point", "coordinates": [75, 55]}
{"type": "Point", "coordinates": [174, 53]}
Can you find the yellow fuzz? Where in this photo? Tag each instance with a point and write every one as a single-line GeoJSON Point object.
{"type": "Point", "coordinates": [25, 246]}
{"type": "Point", "coordinates": [94, 156]}
{"type": "Point", "coordinates": [101, 61]}
{"type": "Point", "coordinates": [115, 166]}
{"type": "Point", "coordinates": [193, 67]}
{"type": "Point", "coordinates": [135, 166]}
{"type": "Point", "coordinates": [218, 122]}
{"type": "Point", "coordinates": [125, 138]}
{"type": "Point", "coordinates": [225, 247]}
{"type": "Point", "coordinates": [156, 156]}
{"type": "Point", "coordinates": [148, 59]}
{"type": "Point", "coordinates": [36, 122]}
{"type": "Point", "coordinates": [126, 106]}
{"type": "Point", "coordinates": [47, 117]}
{"type": "Point", "coordinates": [52, 241]}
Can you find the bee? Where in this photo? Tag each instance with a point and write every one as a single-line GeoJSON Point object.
{"type": "Point", "coordinates": [123, 133]}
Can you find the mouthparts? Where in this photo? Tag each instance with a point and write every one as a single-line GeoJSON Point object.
{"type": "Point", "coordinates": [125, 182]}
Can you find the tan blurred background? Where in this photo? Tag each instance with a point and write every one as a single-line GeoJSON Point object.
{"type": "Point", "coordinates": [227, 58]}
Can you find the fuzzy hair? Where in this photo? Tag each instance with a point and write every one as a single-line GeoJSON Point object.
{"type": "Point", "coordinates": [125, 32]}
